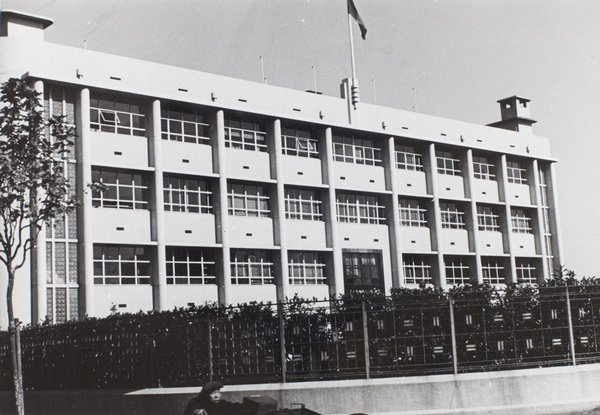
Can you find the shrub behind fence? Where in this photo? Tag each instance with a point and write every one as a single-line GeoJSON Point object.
{"type": "Point", "coordinates": [409, 333]}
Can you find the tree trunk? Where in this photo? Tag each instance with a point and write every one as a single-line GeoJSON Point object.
{"type": "Point", "coordinates": [15, 349]}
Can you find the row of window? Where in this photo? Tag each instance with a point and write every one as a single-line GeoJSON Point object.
{"type": "Point", "coordinates": [127, 190]}
{"type": "Point", "coordinates": [417, 270]}
{"type": "Point", "coordinates": [114, 264]}
{"type": "Point", "coordinates": [123, 115]}
{"type": "Point", "coordinates": [127, 265]}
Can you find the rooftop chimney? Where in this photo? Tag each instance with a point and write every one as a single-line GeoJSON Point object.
{"type": "Point", "coordinates": [516, 115]}
{"type": "Point", "coordinates": [24, 25]}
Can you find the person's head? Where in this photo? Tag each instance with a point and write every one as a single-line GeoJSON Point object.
{"type": "Point", "coordinates": [212, 391]}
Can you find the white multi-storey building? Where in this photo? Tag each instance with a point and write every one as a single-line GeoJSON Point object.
{"type": "Point", "coordinates": [219, 189]}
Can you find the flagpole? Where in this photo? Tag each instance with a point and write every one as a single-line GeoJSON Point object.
{"type": "Point", "coordinates": [351, 48]}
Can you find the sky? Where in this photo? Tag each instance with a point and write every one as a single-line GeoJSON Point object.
{"type": "Point", "coordinates": [448, 58]}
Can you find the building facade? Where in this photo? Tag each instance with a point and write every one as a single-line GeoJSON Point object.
{"type": "Point", "coordinates": [219, 189]}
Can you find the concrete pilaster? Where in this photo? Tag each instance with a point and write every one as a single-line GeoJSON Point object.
{"type": "Point", "coordinates": [394, 223]}
{"type": "Point", "coordinates": [223, 223]}
{"type": "Point", "coordinates": [509, 231]}
{"type": "Point", "coordinates": [337, 285]}
{"type": "Point", "coordinates": [157, 213]}
{"type": "Point", "coordinates": [436, 229]}
{"type": "Point", "coordinates": [473, 234]}
{"type": "Point", "coordinates": [283, 285]}
{"type": "Point", "coordinates": [84, 194]}
{"type": "Point", "coordinates": [38, 259]}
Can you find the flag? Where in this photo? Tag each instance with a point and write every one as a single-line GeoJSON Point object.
{"type": "Point", "coordinates": [354, 13]}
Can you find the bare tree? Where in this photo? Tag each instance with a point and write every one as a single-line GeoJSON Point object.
{"type": "Point", "coordinates": [33, 189]}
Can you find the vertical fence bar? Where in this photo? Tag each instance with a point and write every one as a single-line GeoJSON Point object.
{"type": "Point", "coordinates": [570, 318]}
{"type": "Point", "coordinates": [453, 334]}
{"type": "Point", "coordinates": [154, 378]}
{"type": "Point", "coordinates": [366, 340]}
{"type": "Point", "coordinates": [282, 343]}
{"type": "Point", "coordinates": [210, 346]}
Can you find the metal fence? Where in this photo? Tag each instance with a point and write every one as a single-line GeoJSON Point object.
{"type": "Point", "coordinates": [411, 334]}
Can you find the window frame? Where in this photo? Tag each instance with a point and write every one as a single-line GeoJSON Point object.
{"type": "Point", "coordinates": [293, 139]}
{"type": "Point", "coordinates": [185, 194]}
{"type": "Point", "coordinates": [447, 164]}
{"type": "Point", "coordinates": [245, 260]}
{"type": "Point", "coordinates": [251, 133]}
{"type": "Point", "coordinates": [370, 211]}
{"type": "Point", "coordinates": [178, 129]}
{"type": "Point", "coordinates": [109, 268]}
{"type": "Point", "coordinates": [523, 267]}
{"type": "Point", "coordinates": [248, 198]}
{"type": "Point", "coordinates": [483, 169]}
{"type": "Point", "coordinates": [487, 219]}
{"type": "Point", "coordinates": [457, 269]}
{"type": "Point", "coordinates": [412, 213]}
{"type": "Point", "coordinates": [416, 270]}
{"type": "Point", "coordinates": [139, 193]}
{"type": "Point", "coordinates": [301, 263]}
{"type": "Point", "coordinates": [117, 114]}
{"type": "Point", "coordinates": [452, 217]}
{"type": "Point", "coordinates": [354, 267]}
{"type": "Point", "coordinates": [349, 148]}
{"type": "Point", "coordinates": [520, 221]}
{"type": "Point", "coordinates": [177, 260]}
{"type": "Point", "coordinates": [515, 172]}
{"type": "Point", "coordinates": [407, 157]}
{"type": "Point", "coordinates": [298, 207]}
{"type": "Point", "coordinates": [492, 271]}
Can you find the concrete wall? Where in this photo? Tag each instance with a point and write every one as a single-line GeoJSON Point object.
{"type": "Point", "coordinates": [529, 391]}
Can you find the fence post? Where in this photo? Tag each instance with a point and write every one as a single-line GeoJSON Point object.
{"type": "Point", "coordinates": [282, 353]}
{"type": "Point", "coordinates": [453, 334]}
{"type": "Point", "coordinates": [570, 318]}
{"type": "Point", "coordinates": [154, 378]}
{"type": "Point", "coordinates": [210, 353]}
{"type": "Point", "coordinates": [366, 339]}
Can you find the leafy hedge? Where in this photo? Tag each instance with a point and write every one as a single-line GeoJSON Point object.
{"type": "Point", "coordinates": [407, 332]}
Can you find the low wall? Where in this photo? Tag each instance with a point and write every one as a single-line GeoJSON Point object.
{"type": "Point", "coordinates": [527, 391]}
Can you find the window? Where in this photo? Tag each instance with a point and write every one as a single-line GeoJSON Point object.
{"type": "Point", "coordinates": [520, 220]}
{"type": "Point", "coordinates": [190, 266]}
{"type": "Point", "coordinates": [61, 268]}
{"type": "Point", "coordinates": [116, 264]}
{"type": "Point", "coordinates": [487, 219]}
{"type": "Point", "coordinates": [526, 271]}
{"type": "Point", "coordinates": [452, 216]}
{"type": "Point", "coordinates": [416, 270]}
{"type": "Point", "coordinates": [407, 158]}
{"type": "Point", "coordinates": [483, 169]}
{"type": "Point", "coordinates": [306, 268]}
{"type": "Point", "coordinates": [493, 271]}
{"type": "Point", "coordinates": [447, 163]}
{"type": "Point", "coordinates": [412, 212]}
{"type": "Point", "coordinates": [251, 268]}
{"type": "Point", "coordinates": [299, 142]}
{"type": "Point", "coordinates": [302, 204]}
{"type": "Point", "coordinates": [515, 172]}
{"type": "Point", "coordinates": [362, 271]}
{"type": "Point", "coordinates": [247, 200]}
{"type": "Point", "coordinates": [357, 208]}
{"type": "Point", "coordinates": [351, 149]}
{"type": "Point", "coordinates": [121, 189]}
{"type": "Point", "coordinates": [186, 194]}
{"type": "Point", "coordinates": [245, 133]}
{"type": "Point", "coordinates": [184, 125]}
{"type": "Point", "coordinates": [117, 114]}
{"type": "Point", "coordinates": [457, 270]}
{"type": "Point", "coordinates": [59, 101]}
